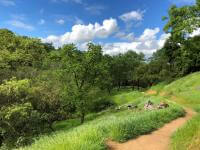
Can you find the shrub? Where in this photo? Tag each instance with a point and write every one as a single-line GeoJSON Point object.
{"type": "Point", "coordinates": [18, 122]}
{"type": "Point", "coordinates": [101, 104]}
{"type": "Point", "coordinates": [27, 111]}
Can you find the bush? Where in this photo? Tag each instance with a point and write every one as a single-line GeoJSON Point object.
{"type": "Point", "coordinates": [101, 104]}
{"type": "Point", "coordinates": [14, 91]}
{"type": "Point", "coordinates": [18, 122]}
{"type": "Point", "coordinates": [27, 111]}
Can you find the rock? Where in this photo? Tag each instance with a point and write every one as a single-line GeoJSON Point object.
{"type": "Point", "coordinates": [118, 108]}
{"type": "Point", "coordinates": [132, 106]}
{"type": "Point", "coordinates": [129, 106]}
{"type": "Point", "coordinates": [149, 106]}
{"type": "Point", "coordinates": [163, 105]}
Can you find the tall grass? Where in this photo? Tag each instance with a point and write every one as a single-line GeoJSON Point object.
{"type": "Point", "coordinates": [125, 96]}
{"type": "Point", "coordinates": [187, 137]}
{"type": "Point", "coordinates": [186, 91]}
{"type": "Point", "coordinates": [117, 126]}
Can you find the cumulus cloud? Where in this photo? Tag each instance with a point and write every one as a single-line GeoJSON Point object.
{"type": "Point", "coordinates": [84, 33]}
{"type": "Point", "coordinates": [132, 16]}
{"type": "Point", "coordinates": [146, 43]}
{"type": "Point", "coordinates": [149, 34]}
{"type": "Point", "coordinates": [7, 2]}
{"type": "Point", "coordinates": [20, 24]}
{"type": "Point", "coordinates": [125, 36]}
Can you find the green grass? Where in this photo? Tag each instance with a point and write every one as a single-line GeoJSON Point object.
{"type": "Point", "coordinates": [125, 96]}
{"type": "Point", "coordinates": [187, 137]}
{"type": "Point", "coordinates": [158, 87]}
{"type": "Point", "coordinates": [185, 91]}
{"type": "Point", "coordinates": [118, 126]}
{"type": "Point", "coordinates": [126, 124]}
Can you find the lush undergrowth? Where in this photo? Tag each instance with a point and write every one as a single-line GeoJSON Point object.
{"type": "Point", "coordinates": [185, 91]}
{"type": "Point", "coordinates": [122, 97]}
{"type": "Point", "coordinates": [116, 125]}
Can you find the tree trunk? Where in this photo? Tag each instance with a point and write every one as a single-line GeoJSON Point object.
{"type": "Point", "coordinates": [1, 140]}
{"type": "Point", "coordinates": [82, 117]}
{"type": "Point", "coordinates": [109, 90]}
{"type": "Point", "coordinates": [50, 127]}
{"type": "Point", "coordinates": [119, 85]}
{"type": "Point", "coordinates": [138, 84]}
{"type": "Point", "coordinates": [132, 85]}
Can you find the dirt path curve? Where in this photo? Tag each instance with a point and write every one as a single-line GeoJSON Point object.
{"type": "Point", "coordinates": [157, 140]}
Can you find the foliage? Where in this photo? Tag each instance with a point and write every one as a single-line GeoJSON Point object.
{"type": "Point", "coordinates": [26, 111]}
{"type": "Point", "coordinates": [85, 70]}
{"type": "Point", "coordinates": [185, 91]}
{"type": "Point", "coordinates": [182, 49]}
{"type": "Point", "coordinates": [187, 137]}
{"type": "Point", "coordinates": [115, 126]}
{"type": "Point", "coordinates": [40, 85]}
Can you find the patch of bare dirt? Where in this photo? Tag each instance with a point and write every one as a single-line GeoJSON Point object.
{"type": "Point", "coordinates": [163, 93]}
{"type": "Point", "coordinates": [151, 92]}
{"type": "Point", "coordinates": [157, 140]}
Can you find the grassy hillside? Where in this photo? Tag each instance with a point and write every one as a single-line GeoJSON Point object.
{"type": "Point", "coordinates": [127, 124]}
{"type": "Point", "coordinates": [185, 91]}
{"type": "Point", "coordinates": [120, 98]}
{"type": "Point", "coordinates": [111, 124]}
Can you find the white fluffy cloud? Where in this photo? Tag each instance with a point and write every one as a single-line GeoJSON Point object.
{"type": "Point", "coordinates": [195, 33]}
{"type": "Point", "coordinates": [132, 16]}
{"type": "Point", "coordinates": [124, 36]}
{"type": "Point", "coordinates": [146, 43]}
{"type": "Point", "coordinates": [84, 33]}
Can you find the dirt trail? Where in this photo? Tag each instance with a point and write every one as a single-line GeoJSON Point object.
{"type": "Point", "coordinates": [157, 140]}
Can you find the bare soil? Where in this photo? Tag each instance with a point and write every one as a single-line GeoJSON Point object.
{"type": "Point", "coordinates": [157, 140]}
{"type": "Point", "coordinates": [151, 92]}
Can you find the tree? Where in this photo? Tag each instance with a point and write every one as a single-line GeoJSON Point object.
{"type": "Point", "coordinates": [182, 21]}
{"type": "Point", "coordinates": [84, 70]}
{"type": "Point", "coordinates": [180, 49]}
{"type": "Point", "coordinates": [123, 68]}
{"type": "Point", "coordinates": [28, 109]}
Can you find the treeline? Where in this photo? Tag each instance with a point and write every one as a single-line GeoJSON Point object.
{"type": "Point", "coordinates": [40, 84]}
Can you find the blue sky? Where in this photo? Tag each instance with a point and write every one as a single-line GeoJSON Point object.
{"type": "Point", "coordinates": [118, 25]}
